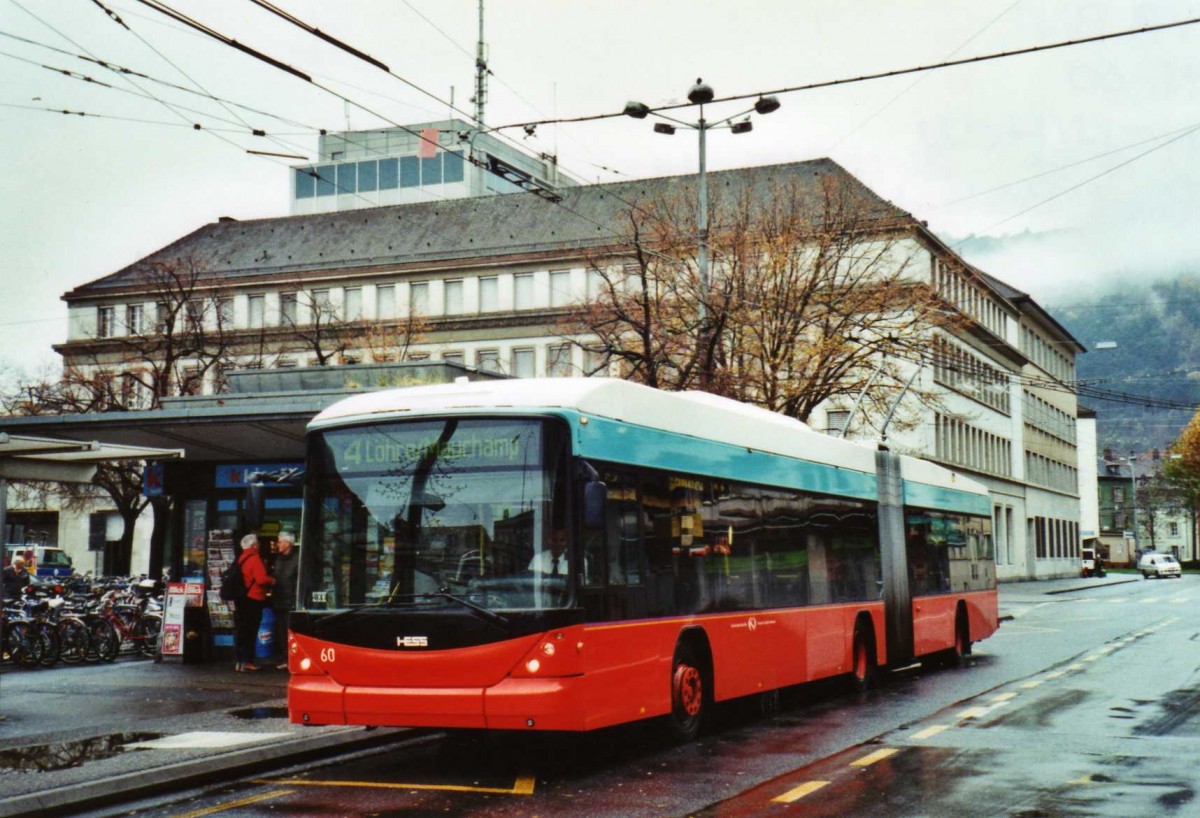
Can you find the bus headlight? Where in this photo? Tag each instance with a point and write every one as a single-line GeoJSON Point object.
{"type": "Point", "coordinates": [548, 648]}
{"type": "Point", "coordinates": [533, 665]}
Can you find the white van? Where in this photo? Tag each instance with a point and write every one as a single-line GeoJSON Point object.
{"type": "Point", "coordinates": [51, 561]}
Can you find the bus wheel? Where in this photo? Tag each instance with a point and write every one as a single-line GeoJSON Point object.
{"type": "Point", "coordinates": [962, 642]}
{"type": "Point", "coordinates": [687, 696]}
{"type": "Point", "coordinates": [862, 669]}
{"type": "Point", "coordinates": [769, 704]}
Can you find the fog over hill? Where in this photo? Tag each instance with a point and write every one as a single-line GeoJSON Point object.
{"type": "Point", "coordinates": [1113, 292]}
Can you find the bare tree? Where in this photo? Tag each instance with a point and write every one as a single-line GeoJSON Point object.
{"type": "Point", "coordinates": [140, 360]}
{"type": "Point", "coordinates": [812, 298]}
{"type": "Point", "coordinates": [331, 337]}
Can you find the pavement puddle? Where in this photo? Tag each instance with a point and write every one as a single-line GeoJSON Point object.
{"type": "Point", "coordinates": [64, 754]}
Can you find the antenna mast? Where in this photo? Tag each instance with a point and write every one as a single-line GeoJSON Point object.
{"type": "Point", "coordinates": [481, 72]}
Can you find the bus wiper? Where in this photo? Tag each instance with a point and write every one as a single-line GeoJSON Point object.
{"type": "Point", "coordinates": [490, 615]}
{"type": "Point", "coordinates": [392, 602]}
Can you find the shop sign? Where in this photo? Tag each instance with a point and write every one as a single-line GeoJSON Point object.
{"type": "Point", "coordinates": [237, 476]}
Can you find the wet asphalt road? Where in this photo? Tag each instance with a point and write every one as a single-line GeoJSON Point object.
{"type": "Point", "coordinates": [1084, 704]}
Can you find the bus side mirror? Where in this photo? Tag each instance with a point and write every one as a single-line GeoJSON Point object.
{"type": "Point", "coordinates": [254, 507]}
{"type": "Point", "coordinates": [595, 502]}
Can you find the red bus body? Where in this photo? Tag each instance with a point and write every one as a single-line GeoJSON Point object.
{"type": "Point", "coordinates": [600, 674]}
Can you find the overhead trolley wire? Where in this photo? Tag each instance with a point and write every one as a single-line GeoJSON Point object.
{"type": "Point", "coordinates": [898, 72]}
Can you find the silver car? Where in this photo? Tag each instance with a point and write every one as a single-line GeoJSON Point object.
{"type": "Point", "coordinates": [1158, 565]}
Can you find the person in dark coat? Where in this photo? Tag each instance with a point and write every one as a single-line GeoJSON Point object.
{"type": "Point", "coordinates": [16, 577]}
{"type": "Point", "coordinates": [283, 593]}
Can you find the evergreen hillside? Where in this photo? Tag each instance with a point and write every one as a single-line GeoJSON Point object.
{"type": "Point", "coordinates": [1156, 326]}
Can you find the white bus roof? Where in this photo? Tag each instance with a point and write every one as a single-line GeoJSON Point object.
{"type": "Point", "coordinates": [695, 414]}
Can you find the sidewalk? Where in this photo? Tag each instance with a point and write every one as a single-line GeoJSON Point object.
{"type": "Point", "coordinates": [1016, 596]}
{"type": "Point", "coordinates": [80, 737]}
{"type": "Point", "coordinates": [76, 738]}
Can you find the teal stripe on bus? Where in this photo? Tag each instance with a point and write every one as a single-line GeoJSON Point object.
{"type": "Point", "coordinates": [944, 499]}
{"type": "Point", "coordinates": [617, 442]}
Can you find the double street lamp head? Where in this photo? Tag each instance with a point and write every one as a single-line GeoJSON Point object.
{"type": "Point", "coordinates": [700, 94]}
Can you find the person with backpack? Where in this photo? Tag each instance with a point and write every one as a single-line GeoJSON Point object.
{"type": "Point", "coordinates": [247, 611]}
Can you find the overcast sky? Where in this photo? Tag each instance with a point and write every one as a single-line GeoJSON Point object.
{"type": "Point", "coordinates": [85, 196]}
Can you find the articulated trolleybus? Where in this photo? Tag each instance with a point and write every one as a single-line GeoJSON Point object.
{"type": "Point", "coordinates": [569, 554]}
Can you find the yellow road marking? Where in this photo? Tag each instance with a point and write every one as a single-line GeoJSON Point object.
{"type": "Point", "coordinates": [796, 793]}
{"type": "Point", "coordinates": [522, 786]}
{"type": "Point", "coordinates": [878, 755]}
{"type": "Point", "coordinates": [1003, 697]}
{"type": "Point", "coordinates": [253, 799]}
{"type": "Point", "coordinates": [1091, 658]}
{"type": "Point", "coordinates": [1076, 667]}
{"type": "Point", "coordinates": [1032, 684]}
{"type": "Point", "coordinates": [972, 713]}
{"type": "Point", "coordinates": [930, 732]}
{"type": "Point", "coordinates": [1055, 674]}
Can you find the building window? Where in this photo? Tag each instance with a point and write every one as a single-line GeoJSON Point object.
{"type": "Point", "coordinates": [287, 308]}
{"type": "Point", "coordinates": [192, 382]}
{"type": "Point", "coordinates": [353, 304]}
{"type": "Point", "coordinates": [560, 288]}
{"type": "Point", "coordinates": [256, 311]}
{"type": "Point", "coordinates": [1118, 494]}
{"type": "Point", "coordinates": [385, 302]}
{"type": "Point", "coordinates": [224, 312]}
{"type": "Point", "coordinates": [453, 357]}
{"type": "Point", "coordinates": [489, 294]}
{"type": "Point", "coordinates": [594, 364]}
{"type": "Point", "coordinates": [1174, 529]}
{"type": "Point", "coordinates": [523, 291]}
{"type": "Point", "coordinates": [418, 298]}
{"type": "Point", "coordinates": [105, 322]}
{"type": "Point", "coordinates": [558, 361]}
{"type": "Point", "coordinates": [523, 363]}
{"type": "Point", "coordinates": [322, 305]}
{"type": "Point", "coordinates": [454, 296]}
{"type": "Point", "coordinates": [135, 319]}
{"type": "Point", "coordinates": [305, 183]}
{"type": "Point", "coordinates": [488, 360]}
{"type": "Point", "coordinates": [325, 185]}
{"type": "Point", "coordinates": [388, 174]}
{"type": "Point", "coordinates": [410, 171]}
{"type": "Point", "coordinates": [596, 285]}
{"type": "Point", "coordinates": [367, 173]}
{"type": "Point", "coordinates": [347, 178]}
{"type": "Point", "coordinates": [835, 421]}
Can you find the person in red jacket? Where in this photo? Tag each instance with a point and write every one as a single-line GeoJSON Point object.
{"type": "Point", "coordinates": [247, 612]}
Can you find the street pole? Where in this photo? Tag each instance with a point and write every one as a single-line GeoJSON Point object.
{"type": "Point", "coordinates": [702, 229]}
{"type": "Point", "coordinates": [700, 94]}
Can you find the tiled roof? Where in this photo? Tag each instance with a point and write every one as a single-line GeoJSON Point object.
{"type": "Point", "coordinates": [512, 224]}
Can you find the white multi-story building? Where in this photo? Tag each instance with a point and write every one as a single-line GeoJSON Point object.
{"type": "Point", "coordinates": [490, 276]}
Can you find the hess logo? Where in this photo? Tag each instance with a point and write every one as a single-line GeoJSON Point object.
{"type": "Point", "coordinates": [412, 641]}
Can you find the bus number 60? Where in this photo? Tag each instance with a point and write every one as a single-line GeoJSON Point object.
{"type": "Point", "coordinates": [327, 655]}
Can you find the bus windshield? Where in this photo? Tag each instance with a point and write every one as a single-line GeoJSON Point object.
{"type": "Point", "coordinates": [437, 512]}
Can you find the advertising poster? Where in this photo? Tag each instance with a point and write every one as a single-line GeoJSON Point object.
{"type": "Point", "coordinates": [172, 629]}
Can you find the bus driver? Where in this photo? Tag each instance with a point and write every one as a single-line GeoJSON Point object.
{"type": "Point", "coordinates": [552, 560]}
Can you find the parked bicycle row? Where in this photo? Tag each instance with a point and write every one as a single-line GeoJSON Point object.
{"type": "Point", "coordinates": [82, 619]}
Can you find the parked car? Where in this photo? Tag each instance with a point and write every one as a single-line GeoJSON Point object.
{"type": "Point", "coordinates": [51, 561]}
{"type": "Point", "coordinates": [1092, 563]}
{"type": "Point", "coordinates": [1159, 565]}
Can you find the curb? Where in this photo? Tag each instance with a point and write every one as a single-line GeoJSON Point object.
{"type": "Point", "coordinates": [1093, 586]}
{"type": "Point", "coordinates": [184, 774]}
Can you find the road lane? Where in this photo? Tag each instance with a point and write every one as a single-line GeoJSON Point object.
{"type": "Point", "coordinates": [1083, 704]}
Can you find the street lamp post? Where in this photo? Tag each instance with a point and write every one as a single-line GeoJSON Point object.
{"type": "Point", "coordinates": [701, 94]}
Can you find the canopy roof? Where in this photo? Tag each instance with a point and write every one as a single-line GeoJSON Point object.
{"type": "Point", "coordinates": [25, 457]}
